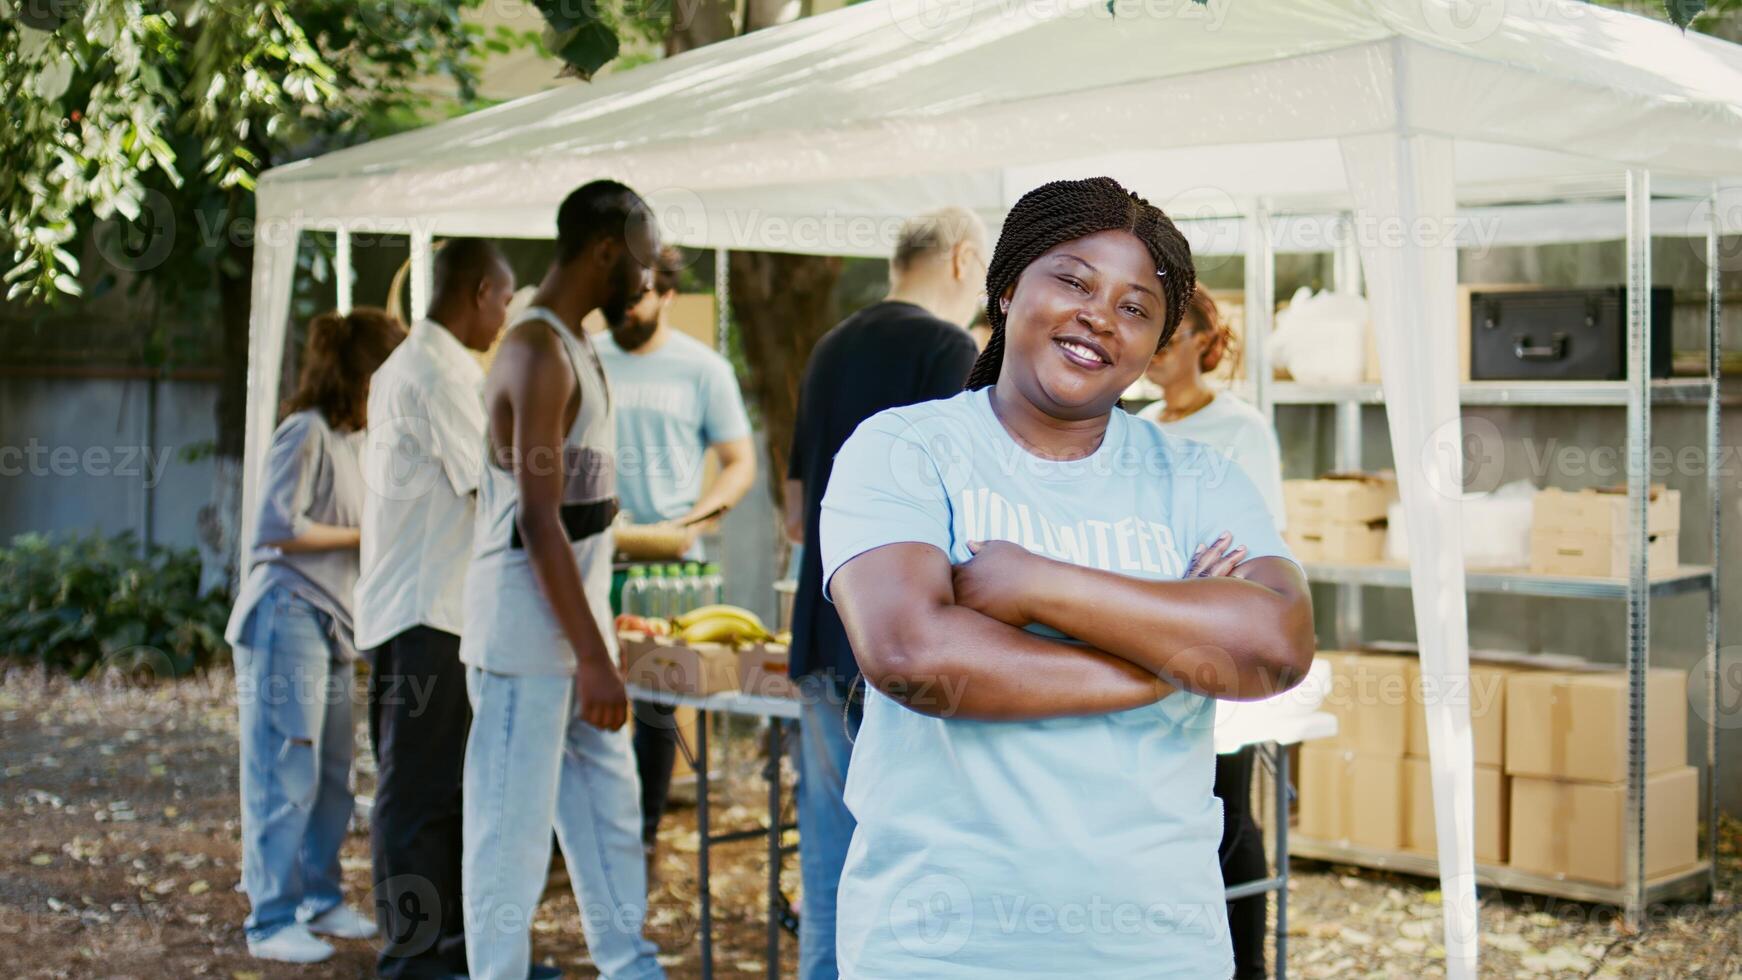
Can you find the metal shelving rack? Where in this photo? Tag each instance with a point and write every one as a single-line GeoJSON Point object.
{"type": "Point", "coordinates": [1638, 395]}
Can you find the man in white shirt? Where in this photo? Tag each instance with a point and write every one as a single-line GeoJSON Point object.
{"type": "Point", "coordinates": [421, 460]}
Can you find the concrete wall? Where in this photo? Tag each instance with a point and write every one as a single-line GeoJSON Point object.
{"type": "Point", "coordinates": [102, 454]}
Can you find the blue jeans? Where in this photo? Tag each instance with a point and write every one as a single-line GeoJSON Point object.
{"type": "Point", "coordinates": [825, 827]}
{"type": "Point", "coordinates": [532, 763]}
{"type": "Point", "coordinates": [294, 699]}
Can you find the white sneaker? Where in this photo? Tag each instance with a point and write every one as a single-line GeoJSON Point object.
{"type": "Point", "coordinates": [292, 944]}
{"type": "Point", "coordinates": [343, 922]}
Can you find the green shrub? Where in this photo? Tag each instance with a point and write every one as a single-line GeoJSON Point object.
{"type": "Point", "coordinates": [76, 603]}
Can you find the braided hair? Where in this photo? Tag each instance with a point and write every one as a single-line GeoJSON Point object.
{"type": "Point", "coordinates": [1065, 210]}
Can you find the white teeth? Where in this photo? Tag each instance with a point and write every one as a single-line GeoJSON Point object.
{"type": "Point", "coordinates": [1079, 350]}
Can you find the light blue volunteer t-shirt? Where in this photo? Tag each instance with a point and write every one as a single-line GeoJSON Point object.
{"type": "Point", "coordinates": [671, 405]}
{"type": "Point", "coordinates": [1070, 847]}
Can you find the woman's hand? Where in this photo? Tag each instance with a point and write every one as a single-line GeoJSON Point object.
{"type": "Point", "coordinates": [998, 580]}
{"type": "Point", "coordinates": [1217, 560]}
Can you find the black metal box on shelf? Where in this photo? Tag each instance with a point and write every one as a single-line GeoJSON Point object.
{"type": "Point", "coordinates": [1561, 334]}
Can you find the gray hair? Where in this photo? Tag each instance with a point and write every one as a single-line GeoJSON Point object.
{"type": "Point", "coordinates": [936, 232]}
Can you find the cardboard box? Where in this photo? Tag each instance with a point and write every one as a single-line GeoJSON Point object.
{"type": "Point", "coordinates": [1588, 532]}
{"type": "Point", "coordinates": [1351, 798]}
{"type": "Point", "coordinates": [662, 664]}
{"type": "Point", "coordinates": [1484, 691]}
{"type": "Point", "coordinates": [1574, 725]}
{"type": "Point", "coordinates": [1493, 811]}
{"type": "Point", "coordinates": [1313, 540]}
{"type": "Point", "coordinates": [1349, 498]}
{"type": "Point", "coordinates": [762, 671]}
{"type": "Point", "coordinates": [1559, 552]}
{"type": "Point", "coordinates": [1603, 512]}
{"type": "Point", "coordinates": [1577, 830]}
{"type": "Point", "coordinates": [1370, 696]}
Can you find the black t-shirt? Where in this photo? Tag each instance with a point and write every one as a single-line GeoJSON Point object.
{"type": "Point", "coordinates": [884, 356]}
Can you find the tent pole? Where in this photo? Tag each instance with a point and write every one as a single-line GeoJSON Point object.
{"type": "Point", "coordinates": [1715, 504]}
{"type": "Point", "coordinates": [1260, 301]}
{"type": "Point", "coordinates": [1639, 329]}
{"type": "Point", "coordinates": [1346, 280]}
{"type": "Point", "coordinates": [343, 280]}
{"type": "Point", "coordinates": [421, 273]}
{"type": "Point", "coordinates": [722, 302]}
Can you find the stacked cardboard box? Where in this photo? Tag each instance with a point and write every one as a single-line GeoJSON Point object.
{"type": "Point", "coordinates": [1587, 532]}
{"type": "Point", "coordinates": [1566, 751]}
{"type": "Point", "coordinates": [662, 663]}
{"type": "Point", "coordinates": [762, 670]}
{"type": "Point", "coordinates": [1351, 787]}
{"type": "Point", "coordinates": [1485, 693]}
{"type": "Point", "coordinates": [1338, 518]}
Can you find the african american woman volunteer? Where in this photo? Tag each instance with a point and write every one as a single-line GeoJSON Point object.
{"type": "Point", "coordinates": [1041, 593]}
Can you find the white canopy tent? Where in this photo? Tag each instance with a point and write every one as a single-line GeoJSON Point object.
{"type": "Point", "coordinates": [1276, 118]}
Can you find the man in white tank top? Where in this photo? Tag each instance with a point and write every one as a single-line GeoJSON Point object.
{"type": "Point", "coordinates": [547, 746]}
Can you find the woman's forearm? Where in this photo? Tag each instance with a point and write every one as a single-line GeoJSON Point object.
{"type": "Point", "coordinates": [315, 536]}
{"type": "Point", "coordinates": [1229, 638]}
{"type": "Point", "coordinates": [958, 663]}
{"type": "Point", "coordinates": [916, 645]}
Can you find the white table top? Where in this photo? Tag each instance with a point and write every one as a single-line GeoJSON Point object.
{"type": "Point", "coordinates": [1237, 724]}
{"type": "Point", "coordinates": [1248, 727]}
{"type": "Point", "coordinates": [735, 702]}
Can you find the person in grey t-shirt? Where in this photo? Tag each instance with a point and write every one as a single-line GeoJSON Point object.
{"type": "Point", "coordinates": [291, 631]}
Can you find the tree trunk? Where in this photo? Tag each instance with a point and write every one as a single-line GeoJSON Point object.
{"type": "Point", "coordinates": [695, 23]}
{"type": "Point", "coordinates": [220, 519]}
{"type": "Point", "coordinates": [781, 308]}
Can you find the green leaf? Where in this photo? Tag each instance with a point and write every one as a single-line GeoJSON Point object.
{"type": "Point", "coordinates": [588, 48]}
{"type": "Point", "coordinates": [1682, 12]}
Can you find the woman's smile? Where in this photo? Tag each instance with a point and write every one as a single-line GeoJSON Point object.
{"type": "Point", "coordinates": [1083, 352]}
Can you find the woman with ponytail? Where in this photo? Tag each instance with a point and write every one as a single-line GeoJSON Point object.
{"type": "Point", "coordinates": [1045, 596]}
{"type": "Point", "coordinates": [291, 633]}
{"type": "Point", "coordinates": [1191, 409]}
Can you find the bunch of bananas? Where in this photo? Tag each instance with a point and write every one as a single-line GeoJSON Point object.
{"type": "Point", "coordinates": [720, 624]}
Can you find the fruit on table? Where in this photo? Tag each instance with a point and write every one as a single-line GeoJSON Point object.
{"type": "Point", "coordinates": [651, 625]}
{"type": "Point", "coordinates": [720, 624]}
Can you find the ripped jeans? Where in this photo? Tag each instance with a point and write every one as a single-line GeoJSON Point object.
{"type": "Point", "coordinates": [294, 696]}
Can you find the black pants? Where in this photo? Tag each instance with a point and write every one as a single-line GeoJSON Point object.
{"type": "Point", "coordinates": [1242, 854]}
{"type": "Point", "coordinates": [655, 742]}
{"type": "Point", "coordinates": [418, 719]}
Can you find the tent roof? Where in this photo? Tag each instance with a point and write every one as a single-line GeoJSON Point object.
{"type": "Point", "coordinates": [815, 135]}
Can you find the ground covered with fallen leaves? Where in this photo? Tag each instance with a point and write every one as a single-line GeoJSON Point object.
{"type": "Point", "coordinates": [119, 859]}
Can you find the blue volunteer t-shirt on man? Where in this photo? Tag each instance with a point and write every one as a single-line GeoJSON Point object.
{"type": "Point", "coordinates": [1081, 846]}
{"type": "Point", "coordinates": [671, 405]}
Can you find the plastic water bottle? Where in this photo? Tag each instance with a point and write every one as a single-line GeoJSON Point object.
{"type": "Point", "coordinates": [659, 592]}
{"type": "Point", "coordinates": [692, 586]}
{"type": "Point", "coordinates": [635, 594]}
{"type": "Point", "coordinates": [713, 589]}
{"type": "Point", "coordinates": [677, 602]}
